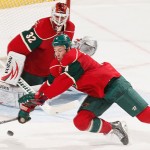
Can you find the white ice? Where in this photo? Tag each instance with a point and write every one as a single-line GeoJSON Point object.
{"type": "Point", "coordinates": [123, 34]}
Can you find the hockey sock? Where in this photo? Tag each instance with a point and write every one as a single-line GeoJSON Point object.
{"type": "Point", "coordinates": [144, 116]}
{"type": "Point", "coordinates": [83, 120]}
{"type": "Point", "coordinates": [100, 126]}
{"type": "Point", "coordinates": [87, 121]}
{"type": "Point", "coordinates": [105, 127]}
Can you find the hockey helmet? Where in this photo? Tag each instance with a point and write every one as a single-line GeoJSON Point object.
{"type": "Point", "coordinates": [60, 14]}
{"type": "Point", "coordinates": [62, 40]}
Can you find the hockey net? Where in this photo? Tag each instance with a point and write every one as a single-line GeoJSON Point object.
{"type": "Point", "coordinates": [19, 15]}
{"type": "Point", "coordinates": [15, 17]}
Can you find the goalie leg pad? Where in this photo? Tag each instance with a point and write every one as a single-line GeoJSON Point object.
{"type": "Point", "coordinates": [13, 68]}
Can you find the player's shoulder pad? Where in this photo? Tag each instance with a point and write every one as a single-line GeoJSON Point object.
{"type": "Point", "coordinates": [54, 67]}
{"type": "Point", "coordinates": [43, 28]}
{"type": "Point", "coordinates": [54, 63]}
{"type": "Point", "coordinates": [70, 24]}
{"type": "Point", "coordinates": [70, 27]}
{"type": "Point", "coordinates": [70, 57]}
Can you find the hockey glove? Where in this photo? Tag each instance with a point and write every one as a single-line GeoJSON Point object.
{"type": "Point", "coordinates": [33, 98]}
{"type": "Point", "coordinates": [23, 116]}
{"type": "Point", "coordinates": [28, 103]}
{"type": "Point", "coordinates": [25, 109]}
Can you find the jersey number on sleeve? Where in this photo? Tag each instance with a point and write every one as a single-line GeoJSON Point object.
{"type": "Point", "coordinates": [31, 39]}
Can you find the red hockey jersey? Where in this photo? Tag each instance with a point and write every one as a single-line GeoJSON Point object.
{"type": "Point", "coordinates": [36, 44]}
{"type": "Point", "coordinates": [81, 71]}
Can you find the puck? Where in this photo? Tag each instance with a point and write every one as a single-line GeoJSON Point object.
{"type": "Point", "coordinates": [10, 133]}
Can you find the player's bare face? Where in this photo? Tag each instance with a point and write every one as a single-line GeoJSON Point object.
{"type": "Point", "coordinates": [59, 51]}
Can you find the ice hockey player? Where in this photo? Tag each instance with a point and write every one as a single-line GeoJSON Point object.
{"type": "Point", "coordinates": [9, 94]}
{"type": "Point", "coordinates": [102, 82]}
{"type": "Point", "coordinates": [30, 52]}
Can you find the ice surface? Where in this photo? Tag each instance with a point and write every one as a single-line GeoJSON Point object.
{"type": "Point", "coordinates": [122, 31]}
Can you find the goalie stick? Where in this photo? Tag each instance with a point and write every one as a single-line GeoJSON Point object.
{"type": "Point", "coordinates": [51, 110]}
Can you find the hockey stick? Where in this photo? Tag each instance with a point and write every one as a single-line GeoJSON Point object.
{"type": "Point", "coordinates": [9, 120]}
{"type": "Point", "coordinates": [51, 110]}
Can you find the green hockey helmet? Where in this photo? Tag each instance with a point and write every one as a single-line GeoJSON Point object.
{"type": "Point", "coordinates": [62, 40]}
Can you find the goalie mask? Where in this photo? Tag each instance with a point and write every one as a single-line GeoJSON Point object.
{"type": "Point", "coordinates": [87, 45]}
{"type": "Point", "coordinates": [60, 14]}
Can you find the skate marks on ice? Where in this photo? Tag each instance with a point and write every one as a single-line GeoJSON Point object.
{"type": "Point", "coordinates": [62, 135]}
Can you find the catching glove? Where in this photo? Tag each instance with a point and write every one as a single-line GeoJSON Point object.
{"type": "Point", "coordinates": [86, 45]}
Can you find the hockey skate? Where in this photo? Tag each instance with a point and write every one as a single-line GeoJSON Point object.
{"type": "Point", "coordinates": [117, 129]}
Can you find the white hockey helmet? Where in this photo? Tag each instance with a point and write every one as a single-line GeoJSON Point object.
{"type": "Point", "coordinates": [86, 45]}
{"type": "Point", "coordinates": [60, 14]}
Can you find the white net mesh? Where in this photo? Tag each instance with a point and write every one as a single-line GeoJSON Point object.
{"type": "Point", "coordinates": [17, 19]}
{"type": "Point", "coordinates": [4, 4]}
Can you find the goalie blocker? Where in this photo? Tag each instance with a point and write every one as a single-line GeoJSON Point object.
{"type": "Point", "coordinates": [13, 69]}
